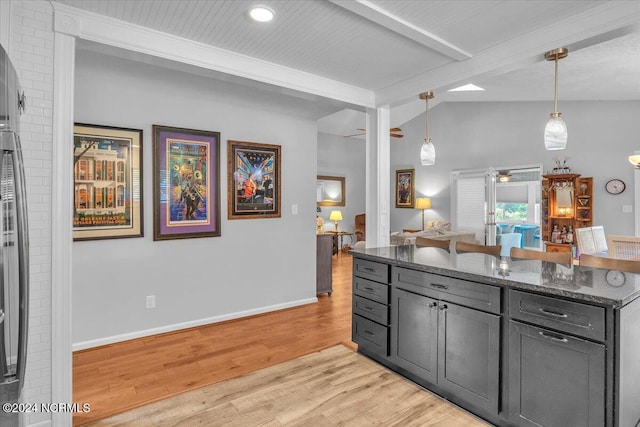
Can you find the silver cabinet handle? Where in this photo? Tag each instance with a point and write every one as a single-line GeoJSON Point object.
{"type": "Point", "coordinates": [438, 286]}
{"type": "Point", "coordinates": [558, 338]}
{"type": "Point", "coordinates": [552, 313]}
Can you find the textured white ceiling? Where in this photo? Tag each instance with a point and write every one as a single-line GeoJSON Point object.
{"type": "Point", "coordinates": [353, 43]}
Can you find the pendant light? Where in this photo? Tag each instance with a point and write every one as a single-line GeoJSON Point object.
{"type": "Point", "coordinates": [428, 151]}
{"type": "Point", "coordinates": [555, 133]}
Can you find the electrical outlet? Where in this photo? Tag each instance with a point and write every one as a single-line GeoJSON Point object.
{"type": "Point", "coordinates": [294, 209]}
{"type": "Point", "coordinates": [151, 301]}
{"type": "Point", "coordinates": [627, 208]}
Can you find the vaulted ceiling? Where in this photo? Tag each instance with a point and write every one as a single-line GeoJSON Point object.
{"type": "Point", "coordinates": [396, 49]}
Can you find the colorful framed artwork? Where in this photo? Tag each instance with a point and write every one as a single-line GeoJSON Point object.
{"type": "Point", "coordinates": [186, 167]}
{"type": "Point", "coordinates": [405, 188]}
{"type": "Point", "coordinates": [107, 193]}
{"type": "Point", "coordinates": [253, 180]}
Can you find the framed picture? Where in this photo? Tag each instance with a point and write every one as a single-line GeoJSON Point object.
{"type": "Point", "coordinates": [107, 181]}
{"type": "Point", "coordinates": [330, 191]}
{"type": "Point", "coordinates": [253, 180]}
{"type": "Point", "coordinates": [186, 186]}
{"type": "Point", "coordinates": [405, 188]}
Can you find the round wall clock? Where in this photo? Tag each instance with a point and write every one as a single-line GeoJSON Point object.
{"type": "Point", "coordinates": [615, 278]}
{"type": "Point", "coordinates": [615, 186]}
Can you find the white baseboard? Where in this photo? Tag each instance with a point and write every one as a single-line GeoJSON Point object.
{"type": "Point", "coordinates": [185, 325]}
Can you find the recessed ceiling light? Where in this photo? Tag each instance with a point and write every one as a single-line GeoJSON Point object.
{"type": "Point", "coordinates": [466, 88]}
{"type": "Point", "coordinates": [261, 14]}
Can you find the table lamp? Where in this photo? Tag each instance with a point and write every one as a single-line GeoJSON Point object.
{"type": "Point", "coordinates": [423, 203]}
{"type": "Point", "coordinates": [335, 217]}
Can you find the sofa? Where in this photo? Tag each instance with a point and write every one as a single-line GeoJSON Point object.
{"type": "Point", "coordinates": [434, 229]}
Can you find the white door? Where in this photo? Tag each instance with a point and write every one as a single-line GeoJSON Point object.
{"type": "Point", "coordinates": [473, 201]}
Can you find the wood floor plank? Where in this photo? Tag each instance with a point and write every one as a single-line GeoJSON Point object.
{"type": "Point", "coordinates": [303, 392]}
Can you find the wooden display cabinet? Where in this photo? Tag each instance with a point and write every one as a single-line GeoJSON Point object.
{"type": "Point", "coordinates": [565, 208]}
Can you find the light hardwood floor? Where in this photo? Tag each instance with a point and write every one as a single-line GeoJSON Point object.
{"type": "Point", "coordinates": [333, 387]}
{"type": "Point", "coordinates": [122, 376]}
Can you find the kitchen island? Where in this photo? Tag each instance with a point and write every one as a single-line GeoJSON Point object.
{"type": "Point", "coordinates": [517, 342]}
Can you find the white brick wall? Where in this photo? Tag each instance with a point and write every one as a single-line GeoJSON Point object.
{"type": "Point", "coordinates": [31, 51]}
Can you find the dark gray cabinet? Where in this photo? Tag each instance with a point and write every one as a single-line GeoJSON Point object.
{"type": "Point", "coordinates": [370, 306]}
{"type": "Point", "coordinates": [469, 354]}
{"type": "Point", "coordinates": [414, 333]}
{"type": "Point", "coordinates": [557, 369]}
{"type": "Point", "coordinates": [454, 347]}
{"type": "Point", "coordinates": [511, 353]}
{"type": "Point", "coordinates": [555, 379]}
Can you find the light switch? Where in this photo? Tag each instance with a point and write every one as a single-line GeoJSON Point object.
{"type": "Point", "coordinates": [294, 209]}
{"type": "Point", "coordinates": [627, 208]}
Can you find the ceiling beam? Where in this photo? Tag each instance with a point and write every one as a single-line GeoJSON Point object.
{"type": "Point", "coordinates": [596, 25]}
{"type": "Point", "coordinates": [376, 14]}
{"type": "Point", "coordinates": [116, 33]}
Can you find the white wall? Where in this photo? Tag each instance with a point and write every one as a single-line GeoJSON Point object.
{"type": "Point", "coordinates": [30, 48]}
{"type": "Point", "coordinates": [482, 134]}
{"type": "Point", "coordinates": [340, 156]}
{"type": "Point", "coordinates": [256, 265]}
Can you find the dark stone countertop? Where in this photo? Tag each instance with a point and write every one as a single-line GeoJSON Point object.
{"type": "Point", "coordinates": [571, 281]}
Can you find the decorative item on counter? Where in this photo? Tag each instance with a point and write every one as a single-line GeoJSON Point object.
{"type": "Point", "coordinates": [319, 225]}
{"type": "Point", "coordinates": [569, 238]}
{"type": "Point", "coordinates": [561, 166]}
{"type": "Point", "coordinates": [583, 188]}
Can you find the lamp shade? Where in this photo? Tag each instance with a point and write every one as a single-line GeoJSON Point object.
{"type": "Point", "coordinates": [428, 154]}
{"type": "Point", "coordinates": [335, 216]}
{"type": "Point", "coordinates": [635, 160]}
{"type": "Point", "coordinates": [555, 133]}
{"type": "Point", "coordinates": [423, 203]}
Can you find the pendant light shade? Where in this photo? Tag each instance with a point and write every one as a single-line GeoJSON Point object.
{"type": "Point", "coordinates": [428, 151]}
{"type": "Point", "coordinates": [555, 133]}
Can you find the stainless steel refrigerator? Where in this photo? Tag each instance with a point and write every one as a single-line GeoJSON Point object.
{"type": "Point", "coordinates": [14, 248]}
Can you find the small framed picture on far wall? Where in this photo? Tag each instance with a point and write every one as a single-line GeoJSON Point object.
{"type": "Point", "coordinates": [405, 188]}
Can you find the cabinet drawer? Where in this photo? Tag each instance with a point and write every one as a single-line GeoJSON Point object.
{"type": "Point", "coordinates": [371, 310]}
{"type": "Point", "coordinates": [463, 292]}
{"type": "Point", "coordinates": [567, 316]}
{"type": "Point", "coordinates": [558, 248]}
{"type": "Point", "coordinates": [370, 335]}
{"type": "Point", "coordinates": [371, 270]}
{"type": "Point", "coordinates": [371, 290]}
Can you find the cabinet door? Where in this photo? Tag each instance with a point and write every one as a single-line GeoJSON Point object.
{"type": "Point", "coordinates": [414, 333]}
{"type": "Point", "coordinates": [555, 380]}
{"type": "Point", "coordinates": [469, 354]}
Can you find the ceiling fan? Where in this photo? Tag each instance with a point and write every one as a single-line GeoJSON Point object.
{"type": "Point", "coordinates": [393, 133]}
{"type": "Point", "coordinates": [504, 176]}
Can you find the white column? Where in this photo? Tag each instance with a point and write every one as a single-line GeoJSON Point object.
{"type": "Point", "coordinates": [377, 176]}
{"type": "Point", "coordinates": [62, 231]}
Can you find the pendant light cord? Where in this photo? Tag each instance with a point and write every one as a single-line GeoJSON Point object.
{"type": "Point", "coordinates": [426, 120]}
{"type": "Point", "coordinates": [555, 91]}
